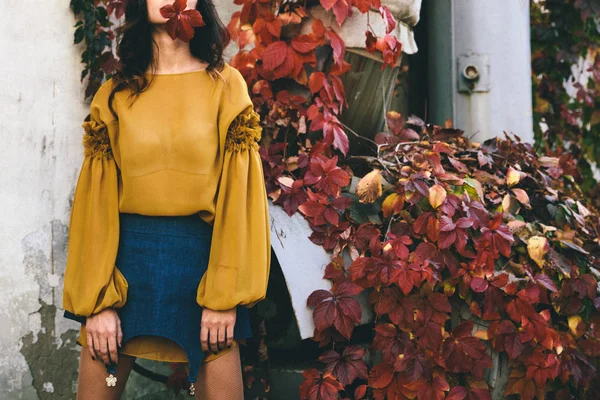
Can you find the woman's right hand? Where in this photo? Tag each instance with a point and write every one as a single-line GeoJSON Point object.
{"type": "Point", "coordinates": [103, 332]}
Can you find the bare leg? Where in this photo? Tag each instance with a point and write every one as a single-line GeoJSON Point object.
{"type": "Point", "coordinates": [92, 375]}
{"type": "Point", "coordinates": [221, 378]}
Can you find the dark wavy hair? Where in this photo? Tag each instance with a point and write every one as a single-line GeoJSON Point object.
{"type": "Point", "coordinates": [135, 51]}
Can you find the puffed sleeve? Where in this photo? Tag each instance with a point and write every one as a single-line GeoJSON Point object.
{"type": "Point", "coordinates": [92, 281]}
{"type": "Point", "coordinates": [240, 253]}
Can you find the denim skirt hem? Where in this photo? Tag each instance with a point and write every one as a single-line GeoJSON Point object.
{"type": "Point", "coordinates": [163, 259]}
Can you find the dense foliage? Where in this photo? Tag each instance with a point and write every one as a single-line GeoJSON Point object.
{"type": "Point", "coordinates": [473, 249]}
{"type": "Point", "coordinates": [494, 230]}
{"type": "Point", "coordinates": [566, 89]}
{"type": "Point", "coordinates": [95, 30]}
{"type": "Point", "coordinates": [490, 233]}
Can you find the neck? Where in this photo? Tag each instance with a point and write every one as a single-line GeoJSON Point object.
{"type": "Point", "coordinates": [172, 56]}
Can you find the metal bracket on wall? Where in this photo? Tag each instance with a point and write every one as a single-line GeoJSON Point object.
{"type": "Point", "coordinates": [473, 73]}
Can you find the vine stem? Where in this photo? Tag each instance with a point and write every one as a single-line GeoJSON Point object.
{"type": "Point", "coordinates": [358, 135]}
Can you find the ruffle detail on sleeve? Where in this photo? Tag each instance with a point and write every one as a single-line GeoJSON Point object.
{"type": "Point", "coordinates": [96, 140]}
{"type": "Point", "coordinates": [244, 132]}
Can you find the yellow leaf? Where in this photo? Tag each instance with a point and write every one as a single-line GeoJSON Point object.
{"type": "Point", "coordinates": [369, 188]}
{"type": "Point", "coordinates": [537, 247]}
{"type": "Point", "coordinates": [392, 204]}
{"type": "Point", "coordinates": [576, 325]}
{"type": "Point", "coordinates": [437, 195]}
{"type": "Point", "coordinates": [513, 177]}
{"type": "Point", "coordinates": [449, 289]}
{"type": "Point", "coordinates": [481, 334]}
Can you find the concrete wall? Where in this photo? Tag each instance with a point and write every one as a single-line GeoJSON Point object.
{"type": "Point", "coordinates": [41, 111]}
{"type": "Point", "coordinates": [494, 37]}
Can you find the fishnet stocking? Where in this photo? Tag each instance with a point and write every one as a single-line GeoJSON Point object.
{"type": "Point", "coordinates": [92, 377]}
{"type": "Point", "coordinates": [221, 378]}
{"type": "Point", "coordinates": [218, 379]}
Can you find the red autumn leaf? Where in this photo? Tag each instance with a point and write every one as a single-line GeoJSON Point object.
{"type": "Point", "coordinates": [338, 46]}
{"type": "Point", "coordinates": [398, 308]}
{"type": "Point", "coordinates": [530, 294]}
{"type": "Point", "coordinates": [320, 210]}
{"type": "Point", "coordinates": [434, 390]}
{"type": "Point", "coordinates": [338, 308]}
{"type": "Point", "coordinates": [473, 393]}
{"type": "Point", "coordinates": [381, 375]}
{"type": "Point", "coordinates": [335, 270]}
{"type": "Point", "coordinates": [365, 5]}
{"type": "Point", "coordinates": [317, 387]}
{"type": "Point", "coordinates": [457, 393]}
{"type": "Point", "coordinates": [427, 223]}
{"type": "Point", "coordinates": [305, 43]}
{"type": "Point", "coordinates": [478, 284]}
{"type": "Point", "coordinates": [341, 9]}
{"type": "Point", "coordinates": [370, 42]}
{"type": "Point", "coordinates": [316, 81]}
{"type": "Point", "coordinates": [181, 22]}
{"type": "Point", "coordinates": [584, 286]}
{"type": "Point", "coordinates": [334, 133]}
{"type": "Point", "coordinates": [390, 340]}
{"type": "Point", "coordinates": [440, 302]}
{"type": "Point", "coordinates": [274, 55]}
{"type": "Point", "coordinates": [428, 333]}
{"type": "Point", "coordinates": [360, 392]}
{"type": "Point", "coordinates": [455, 233]}
{"type": "Point", "coordinates": [414, 364]}
{"type": "Point", "coordinates": [324, 173]}
{"type": "Point", "coordinates": [466, 353]}
{"type": "Point", "coordinates": [406, 278]}
{"type": "Point", "coordinates": [546, 281]}
{"type": "Point", "coordinates": [367, 237]}
{"type": "Point", "coordinates": [331, 236]}
{"type": "Point", "coordinates": [542, 367]}
{"type": "Point", "coordinates": [388, 18]}
{"type": "Point", "coordinates": [345, 367]}
{"type": "Point", "coordinates": [292, 65]}
{"type": "Point", "coordinates": [390, 48]}
{"type": "Point", "coordinates": [292, 197]}
{"type": "Point", "coordinates": [497, 236]}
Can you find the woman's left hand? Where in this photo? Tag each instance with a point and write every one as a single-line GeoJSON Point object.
{"type": "Point", "coordinates": [216, 332]}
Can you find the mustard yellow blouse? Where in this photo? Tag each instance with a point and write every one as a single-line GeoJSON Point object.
{"type": "Point", "coordinates": [187, 145]}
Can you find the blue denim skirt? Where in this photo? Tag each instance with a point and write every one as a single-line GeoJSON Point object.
{"type": "Point", "coordinates": [163, 259]}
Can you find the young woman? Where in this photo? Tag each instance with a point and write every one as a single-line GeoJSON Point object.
{"type": "Point", "coordinates": [169, 238]}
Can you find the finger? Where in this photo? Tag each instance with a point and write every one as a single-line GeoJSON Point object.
{"type": "Point", "coordinates": [222, 337]}
{"type": "Point", "coordinates": [97, 352]}
{"type": "Point", "coordinates": [119, 334]}
{"type": "Point", "coordinates": [229, 336]}
{"type": "Point", "coordinates": [104, 348]}
{"type": "Point", "coordinates": [204, 338]}
{"type": "Point", "coordinates": [112, 348]}
{"type": "Point", "coordinates": [212, 338]}
{"type": "Point", "coordinates": [90, 345]}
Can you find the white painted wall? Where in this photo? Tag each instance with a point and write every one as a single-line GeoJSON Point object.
{"type": "Point", "coordinates": [41, 110]}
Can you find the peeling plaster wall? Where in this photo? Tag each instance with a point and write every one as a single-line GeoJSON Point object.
{"type": "Point", "coordinates": [42, 108]}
